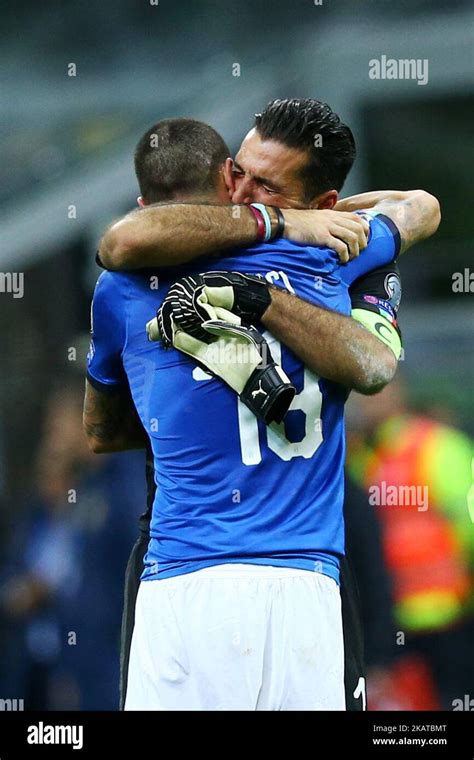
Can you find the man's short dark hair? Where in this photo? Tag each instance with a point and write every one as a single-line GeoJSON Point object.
{"type": "Point", "coordinates": [311, 126]}
{"type": "Point", "coordinates": [178, 157]}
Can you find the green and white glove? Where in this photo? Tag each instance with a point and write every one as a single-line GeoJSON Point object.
{"type": "Point", "coordinates": [234, 352]}
{"type": "Point", "coordinates": [197, 298]}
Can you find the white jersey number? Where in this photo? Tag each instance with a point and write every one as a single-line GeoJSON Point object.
{"type": "Point", "coordinates": [309, 401]}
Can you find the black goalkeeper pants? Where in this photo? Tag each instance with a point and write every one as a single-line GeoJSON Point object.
{"type": "Point", "coordinates": [351, 622]}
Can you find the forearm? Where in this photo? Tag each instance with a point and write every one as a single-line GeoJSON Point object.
{"type": "Point", "coordinates": [417, 216]}
{"type": "Point", "coordinates": [169, 235]}
{"type": "Point", "coordinates": [106, 442]}
{"type": "Point", "coordinates": [174, 234]}
{"type": "Point", "coordinates": [111, 422]}
{"type": "Point", "coordinates": [334, 346]}
{"type": "Point", "coordinates": [415, 213]}
{"type": "Point", "coordinates": [369, 200]}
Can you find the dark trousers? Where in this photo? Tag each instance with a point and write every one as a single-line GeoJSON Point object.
{"type": "Point", "coordinates": [354, 664]}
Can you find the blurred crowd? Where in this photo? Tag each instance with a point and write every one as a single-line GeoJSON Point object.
{"type": "Point", "coordinates": [409, 534]}
{"type": "Point", "coordinates": [62, 579]}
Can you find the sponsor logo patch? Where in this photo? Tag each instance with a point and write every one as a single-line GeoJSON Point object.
{"type": "Point", "coordinates": [384, 307]}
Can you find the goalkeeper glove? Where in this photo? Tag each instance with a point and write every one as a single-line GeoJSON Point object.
{"type": "Point", "coordinates": [197, 298]}
{"type": "Point", "coordinates": [241, 357]}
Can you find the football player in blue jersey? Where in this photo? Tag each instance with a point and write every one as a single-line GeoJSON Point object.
{"type": "Point", "coordinates": [247, 521]}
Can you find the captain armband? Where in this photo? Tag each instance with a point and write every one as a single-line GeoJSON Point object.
{"type": "Point", "coordinates": [381, 327]}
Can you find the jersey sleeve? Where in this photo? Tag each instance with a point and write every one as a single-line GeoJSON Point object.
{"type": "Point", "coordinates": [383, 248]}
{"type": "Point", "coordinates": [375, 300]}
{"type": "Point", "coordinates": [108, 333]}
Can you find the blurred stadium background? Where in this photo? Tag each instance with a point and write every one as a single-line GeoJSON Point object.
{"type": "Point", "coordinates": [67, 520]}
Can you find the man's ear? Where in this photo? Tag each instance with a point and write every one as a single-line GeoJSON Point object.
{"type": "Point", "coordinates": [325, 200]}
{"type": "Point", "coordinates": [141, 201]}
{"type": "Point", "coordinates": [229, 176]}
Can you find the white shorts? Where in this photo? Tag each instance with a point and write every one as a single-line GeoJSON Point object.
{"type": "Point", "coordinates": [238, 637]}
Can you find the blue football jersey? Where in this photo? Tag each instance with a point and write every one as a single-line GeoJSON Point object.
{"type": "Point", "coordinates": [229, 488]}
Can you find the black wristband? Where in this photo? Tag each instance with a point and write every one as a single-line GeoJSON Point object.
{"type": "Point", "coordinates": [280, 222]}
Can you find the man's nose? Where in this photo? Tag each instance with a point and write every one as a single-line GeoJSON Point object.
{"type": "Point", "coordinates": [243, 192]}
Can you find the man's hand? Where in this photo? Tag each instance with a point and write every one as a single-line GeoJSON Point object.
{"type": "Point", "coordinates": [346, 233]}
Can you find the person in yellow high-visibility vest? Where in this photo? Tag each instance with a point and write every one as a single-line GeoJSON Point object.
{"type": "Point", "coordinates": [417, 472]}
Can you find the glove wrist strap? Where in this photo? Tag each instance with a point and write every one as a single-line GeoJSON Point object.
{"type": "Point", "coordinates": [268, 393]}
